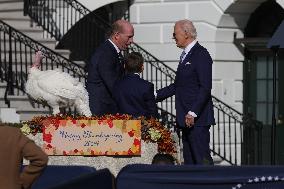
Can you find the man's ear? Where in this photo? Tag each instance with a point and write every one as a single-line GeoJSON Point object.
{"type": "Point", "coordinates": [116, 35]}
{"type": "Point", "coordinates": [186, 35]}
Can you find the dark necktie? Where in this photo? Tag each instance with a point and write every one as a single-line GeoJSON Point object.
{"type": "Point", "coordinates": [121, 62]}
{"type": "Point", "coordinates": [120, 59]}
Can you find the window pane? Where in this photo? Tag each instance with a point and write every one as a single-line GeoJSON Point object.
{"type": "Point", "coordinates": [269, 113]}
{"type": "Point", "coordinates": [270, 91]}
{"type": "Point", "coordinates": [261, 112]}
{"type": "Point", "coordinates": [270, 67]}
{"type": "Point", "coordinates": [261, 91]}
{"type": "Point", "coordinates": [261, 68]}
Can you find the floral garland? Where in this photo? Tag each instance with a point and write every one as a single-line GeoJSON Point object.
{"type": "Point", "coordinates": [151, 129]}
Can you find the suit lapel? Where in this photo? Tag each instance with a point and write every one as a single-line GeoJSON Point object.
{"type": "Point", "coordinates": [187, 57]}
{"type": "Point", "coordinates": [119, 60]}
{"type": "Point", "coordinates": [113, 50]}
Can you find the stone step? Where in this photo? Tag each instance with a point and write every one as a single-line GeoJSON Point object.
{"type": "Point", "coordinates": [29, 115]}
{"type": "Point", "coordinates": [31, 109]}
{"type": "Point", "coordinates": [9, 115]}
{"type": "Point", "coordinates": [81, 63]}
{"type": "Point", "coordinates": [17, 54]}
{"type": "Point", "coordinates": [27, 30]}
{"type": "Point", "coordinates": [9, 0]}
{"type": "Point", "coordinates": [32, 32]}
{"type": "Point", "coordinates": [11, 13]}
{"type": "Point", "coordinates": [50, 43]}
{"type": "Point", "coordinates": [23, 102]}
{"type": "Point", "coordinates": [11, 5]}
{"type": "Point", "coordinates": [20, 72]}
{"type": "Point", "coordinates": [2, 104]}
{"type": "Point", "coordinates": [26, 108]}
{"type": "Point", "coordinates": [216, 159]}
{"type": "Point", "coordinates": [17, 22]}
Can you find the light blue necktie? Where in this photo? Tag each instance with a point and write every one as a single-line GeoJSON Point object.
{"type": "Point", "coordinates": [181, 56]}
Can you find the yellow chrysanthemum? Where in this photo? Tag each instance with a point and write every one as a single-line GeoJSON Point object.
{"type": "Point", "coordinates": [26, 130]}
{"type": "Point", "coordinates": [154, 134]}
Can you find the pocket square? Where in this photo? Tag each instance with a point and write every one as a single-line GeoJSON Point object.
{"type": "Point", "coordinates": [187, 63]}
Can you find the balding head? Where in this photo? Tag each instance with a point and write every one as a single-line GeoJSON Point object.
{"type": "Point", "coordinates": [122, 33]}
{"type": "Point", "coordinates": [118, 26]}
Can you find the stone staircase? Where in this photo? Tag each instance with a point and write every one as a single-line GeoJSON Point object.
{"type": "Point", "coordinates": [12, 13]}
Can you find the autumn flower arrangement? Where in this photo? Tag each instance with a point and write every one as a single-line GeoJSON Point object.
{"type": "Point", "coordinates": [151, 129]}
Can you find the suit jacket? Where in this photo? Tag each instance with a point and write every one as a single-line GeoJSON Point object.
{"type": "Point", "coordinates": [103, 70]}
{"type": "Point", "coordinates": [13, 147]}
{"type": "Point", "coordinates": [192, 87]}
{"type": "Point", "coordinates": [135, 96]}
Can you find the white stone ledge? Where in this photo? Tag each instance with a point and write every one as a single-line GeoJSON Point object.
{"type": "Point", "coordinates": [173, 11]}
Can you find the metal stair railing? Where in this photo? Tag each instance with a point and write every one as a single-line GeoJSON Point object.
{"type": "Point", "coordinates": [226, 137]}
{"type": "Point", "coordinates": [57, 17]}
{"type": "Point", "coordinates": [17, 53]}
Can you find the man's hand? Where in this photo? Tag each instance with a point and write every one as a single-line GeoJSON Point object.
{"type": "Point", "coordinates": [189, 120]}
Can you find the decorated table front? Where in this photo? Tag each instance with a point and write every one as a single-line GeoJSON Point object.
{"type": "Point", "coordinates": [154, 138]}
{"type": "Point", "coordinates": [113, 163]}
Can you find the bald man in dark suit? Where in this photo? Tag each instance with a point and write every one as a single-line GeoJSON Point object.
{"type": "Point", "coordinates": [106, 67]}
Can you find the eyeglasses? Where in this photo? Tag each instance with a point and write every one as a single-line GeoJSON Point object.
{"type": "Point", "coordinates": [174, 34]}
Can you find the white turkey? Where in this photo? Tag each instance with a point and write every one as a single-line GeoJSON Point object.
{"type": "Point", "coordinates": [56, 88]}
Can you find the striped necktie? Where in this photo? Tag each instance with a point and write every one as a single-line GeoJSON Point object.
{"type": "Point", "coordinates": [181, 56]}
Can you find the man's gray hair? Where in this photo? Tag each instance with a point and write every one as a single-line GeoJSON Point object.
{"type": "Point", "coordinates": [188, 27]}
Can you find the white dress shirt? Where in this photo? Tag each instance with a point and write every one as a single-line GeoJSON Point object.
{"type": "Point", "coordinates": [186, 50]}
{"type": "Point", "coordinates": [116, 48]}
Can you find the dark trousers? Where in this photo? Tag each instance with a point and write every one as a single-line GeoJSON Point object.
{"type": "Point", "coordinates": [196, 149]}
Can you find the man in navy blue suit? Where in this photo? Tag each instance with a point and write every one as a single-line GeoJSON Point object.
{"type": "Point", "coordinates": [134, 95]}
{"type": "Point", "coordinates": [106, 66]}
{"type": "Point", "coordinates": [192, 90]}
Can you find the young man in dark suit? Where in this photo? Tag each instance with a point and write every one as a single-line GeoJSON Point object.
{"type": "Point", "coordinates": [14, 146]}
{"type": "Point", "coordinates": [134, 95]}
{"type": "Point", "coordinates": [192, 90]}
{"type": "Point", "coordinates": [106, 67]}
